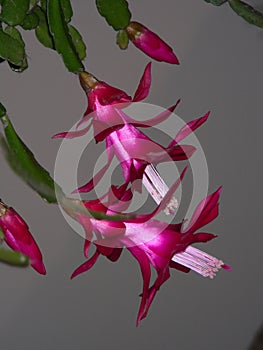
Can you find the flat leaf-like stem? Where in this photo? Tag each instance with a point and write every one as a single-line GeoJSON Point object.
{"type": "Point", "coordinates": [61, 36]}
{"type": "Point", "coordinates": [23, 162]}
{"type": "Point", "coordinates": [116, 12]}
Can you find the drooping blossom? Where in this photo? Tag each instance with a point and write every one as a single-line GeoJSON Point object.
{"type": "Point", "coordinates": [18, 237]}
{"type": "Point", "coordinates": [134, 150]}
{"type": "Point", "coordinates": [150, 43]}
{"type": "Point", "coordinates": [151, 242]}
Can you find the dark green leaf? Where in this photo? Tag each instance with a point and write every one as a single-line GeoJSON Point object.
{"type": "Point", "coordinates": [15, 34]}
{"type": "Point", "coordinates": [14, 11]}
{"type": "Point", "coordinates": [13, 258]}
{"type": "Point", "coordinates": [116, 12]}
{"type": "Point", "coordinates": [247, 12]}
{"type": "Point", "coordinates": [43, 4]}
{"type": "Point", "coordinates": [77, 41]}
{"type": "Point", "coordinates": [62, 39]}
{"type": "Point", "coordinates": [31, 21]}
{"type": "Point", "coordinates": [67, 10]}
{"type": "Point", "coordinates": [42, 32]}
{"type": "Point", "coordinates": [23, 162]}
{"type": "Point", "coordinates": [11, 49]}
{"type": "Point", "coordinates": [2, 110]}
{"type": "Point", "coordinates": [216, 2]}
{"type": "Point", "coordinates": [122, 39]}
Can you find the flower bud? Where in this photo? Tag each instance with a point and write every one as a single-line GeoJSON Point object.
{"type": "Point", "coordinates": [150, 43]}
{"type": "Point", "coordinates": [18, 237]}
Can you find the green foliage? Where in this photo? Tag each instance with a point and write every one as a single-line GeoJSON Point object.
{"type": "Point", "coordinates": [216, 2]}
{"type": "Point", "coordinates": [14, 11]}
{"type": "Point", "coordinates": [15, 34]}
{"type": "Point", "coordinates": [122, 39]}
{"type": "Point", "coordinates": [13, 258]}
{"type": "Point", "coordinates": [247, 12]}
{"type": "Point", "coordinates": [11, 49]}
{"type": "Point", "coordinates": [31, 21]}
{"type": "Point", "coordinates": [116, 12]}
{"type": "Point", "coordinates": [42, 32]}
{"type": "Point", "coordinates": [62, 38]}
{"type": "Point", "coordinates": [2, 110]}
{"type": "Point", "coordinates": [77, 41]}
{"type": "Point", "coordinates": [23, 162]}
{"type": "Point", "coordinates": [67, 10]}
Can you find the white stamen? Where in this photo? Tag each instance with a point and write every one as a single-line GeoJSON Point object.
{"type": "Point", "coordinates": [199, 261]}
{"type": "Point", "coordinates": [158, 188]}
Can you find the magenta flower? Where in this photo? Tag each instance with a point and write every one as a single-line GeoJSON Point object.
{"type": "Point", "coordinates": [150, 43]}
{"type": "Point", "coordinates": [132, 147]}
{"type": "Point", "coordinates": [18, 237]}
{"type": "Point", "coordinates": [153, 243]}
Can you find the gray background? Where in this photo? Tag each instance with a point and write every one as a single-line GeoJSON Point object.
{"type": "Point", "coordinates": [221, 70]}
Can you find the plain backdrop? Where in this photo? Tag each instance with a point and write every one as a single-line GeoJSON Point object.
{"type": "Point", "coordinates": [221, 70]}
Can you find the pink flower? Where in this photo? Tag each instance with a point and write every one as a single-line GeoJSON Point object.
{"type": "Point", "coordinates": [150, 43]}
{"type": "Point", "coordinates": [134, 150]}
{"type": "Point", "coordinates": [151, 242]}
{"type": "Point", "coordinates": [18, 237]}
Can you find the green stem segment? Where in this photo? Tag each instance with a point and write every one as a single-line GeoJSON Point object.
{"type": "Point", "coordinates": [23, 162]}
{"type": "Point", "coordinates": [13, 258]}
{"type": "Point", "coordinates": [247, 12]}
{"type": "Point", "coordinates": [61, 36]}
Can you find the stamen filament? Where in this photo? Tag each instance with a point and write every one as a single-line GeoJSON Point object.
{"type": "Point", "coordinates": [199, 261]}
{"type": "Point", "coordinates": [157, 188]}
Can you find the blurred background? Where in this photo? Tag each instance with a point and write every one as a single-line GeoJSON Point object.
{"type": "Point", "coordinates": [221, 70]}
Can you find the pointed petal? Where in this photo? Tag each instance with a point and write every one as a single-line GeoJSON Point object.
{"type": "Point", "coordinates": [72, 134]}
{"type": "Point", "coordinates": [115, 255]}
{"type": "Point", "coordinates": [144, 85]}
{"type": "Point", "coordinates": [189, 128]}
{"type": "Point", "coordinates": [176, 153]}
{"type": "Point", "coordinates": [143, 260]}
{"type": "Point", "coordinates": [206, 211]}
{"type": "Point", "coordinates": [203, 237]}
{"type": "Point", "coordinates": [102, 130]}
{"type": "Point", "coordinates": [85, 222]}
{"type": "Point", "coordinates": [153, 121]}
{"type": "Point", "coordinates": [87, 265]}
{"type": "Point", "coordinates": [95, 180]}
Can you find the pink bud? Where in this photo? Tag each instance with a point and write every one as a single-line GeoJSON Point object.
{"type": "Point", "coordinates": [18, 237]}
{"type": "Point", "coordinates": [150, 43]}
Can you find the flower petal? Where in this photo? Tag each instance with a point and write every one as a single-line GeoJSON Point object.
{"type": "Point", "coordinates": [153, 121]}
{"type": "Point", "coordinates": [87, 265]}
{"type": "Point", "coordinates": [72, 134]}
{"type": "Point", "coordinates": [206, 211]}
{"type": "Point", "coordinates": [95, 180]}
{"type": "Point", "coordinates": [146, 275]}
{"type": "Point", "coordinates": [144, 85]}
{"type": "Point", "coordinates": [189, 128]}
